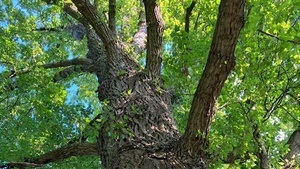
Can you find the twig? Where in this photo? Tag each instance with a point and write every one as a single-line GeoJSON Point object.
{"type": "Point", "coordinates": [290, 114]}
{"type": "Point", "coordinates": [276, 37]}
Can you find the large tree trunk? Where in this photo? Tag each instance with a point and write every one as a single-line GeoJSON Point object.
{"type": "Point", "coordinates": [139, 129]}
{"type": "Point", "coordinates": [140, 106]}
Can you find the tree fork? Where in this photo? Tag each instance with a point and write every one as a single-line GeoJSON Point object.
{"type": "Point", "coordinates": [113, 46]}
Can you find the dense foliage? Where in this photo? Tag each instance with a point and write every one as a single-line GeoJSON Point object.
{"type": "Point", "coordinates": [259, 105]}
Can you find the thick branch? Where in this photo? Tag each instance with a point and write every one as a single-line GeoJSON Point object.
{"type": "Point", "coordinates": [67, 72]}
{"type": "Point", "coordinates": [73, 11]}
{"type": "Point", "coordinates": [49, 29]}
{"type": "Point", "coordinates": [188, 14]}
{"type": "Point", "coordinates": [155, 28]}
{"type": "Point", "coordinates": [59, 154]}
{"type": "Point", "coordinates": [65, 63]}
{"type": "Point", "coordinates": [219, 64]}
{"type": "Point", "coordinates": [77, 65]}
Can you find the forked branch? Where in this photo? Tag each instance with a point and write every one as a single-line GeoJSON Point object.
{"type": "Point", "coordinates": [73, 66]}
{"type": "Point", "coordinates": [188, 15]}
{"type": "Point", "coordinates": [114, 48]}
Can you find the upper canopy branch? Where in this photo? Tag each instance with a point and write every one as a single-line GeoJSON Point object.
{"type": "Point", "coordinates": [155, 28]}
{"type": "Point", "coordinates": [92, 15]}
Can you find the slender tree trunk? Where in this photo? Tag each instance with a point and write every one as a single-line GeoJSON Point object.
{"type": "Point", "coordinates": [220, 62]}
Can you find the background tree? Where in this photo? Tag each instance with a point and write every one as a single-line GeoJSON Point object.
{"type": "Point", "coordinates": [119, 80]}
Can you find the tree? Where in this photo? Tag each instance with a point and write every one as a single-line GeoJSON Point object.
{"type": "Point", "coordinates": [147, 95]}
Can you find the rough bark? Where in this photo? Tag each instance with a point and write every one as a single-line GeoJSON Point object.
{"type": "Point", "coordinates": [220, 62]}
